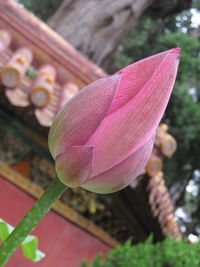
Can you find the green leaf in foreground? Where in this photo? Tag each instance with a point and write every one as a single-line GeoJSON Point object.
{"type": "Point", "coordinates": [29, 246]}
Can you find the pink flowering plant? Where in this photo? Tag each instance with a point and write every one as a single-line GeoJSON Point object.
{"type": "Point", "coordinates": [102, 138]}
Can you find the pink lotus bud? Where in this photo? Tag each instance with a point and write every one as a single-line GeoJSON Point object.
{"type": "Point", "coordinates": [103, 137]}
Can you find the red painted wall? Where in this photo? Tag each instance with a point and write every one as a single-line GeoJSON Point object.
{"type": "Point", "coordinates": [65, 244]}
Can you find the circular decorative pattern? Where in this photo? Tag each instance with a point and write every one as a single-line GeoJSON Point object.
{"type": "Point", "coordinates": [10, 77]}
{"type": "Point", "coordinates": [154, 166]}
{"type": "Point", "coordinates": [40, 97]}
{"type": "Point", "coordinates": [168, 146]}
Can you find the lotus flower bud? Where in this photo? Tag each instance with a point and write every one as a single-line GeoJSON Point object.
{"type": "Point", "coordinates": [103, 137]}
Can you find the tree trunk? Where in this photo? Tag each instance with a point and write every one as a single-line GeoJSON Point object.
{"type": "Point", "coordinates": [96, 27]}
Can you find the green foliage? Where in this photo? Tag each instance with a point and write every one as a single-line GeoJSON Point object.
{"type": "Point", "coordinates": [29, 245]}
{"type": "Point", "coordinates": [154, 36]}
{"type": "Point", "coordinates": [43, 9]}
{"type": "Point", "coordinates": [164, 254]}
{"type": "Point", "coordinates": [196, 4]}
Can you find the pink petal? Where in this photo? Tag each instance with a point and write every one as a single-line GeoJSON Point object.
{"type": "Point", "coordinates": [125, 130]}
{"type": "Point", "coordinates": [74, 166]}
{"type": "Point", "coordinates": [134, 77]}
{"type": "Point", "coordinates": [122, 174]}
{"type": "Point", "coordinates": [80, 117]}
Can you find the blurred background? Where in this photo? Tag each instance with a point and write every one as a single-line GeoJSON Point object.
{"type": "Point", "coordinates": [113, 34]}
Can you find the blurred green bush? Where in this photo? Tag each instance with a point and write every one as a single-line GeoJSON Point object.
{"type": "Point", "coordinates": [164, 254]}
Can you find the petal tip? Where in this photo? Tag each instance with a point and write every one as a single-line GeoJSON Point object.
{"type": "Point", "coordinates": [177, 52]}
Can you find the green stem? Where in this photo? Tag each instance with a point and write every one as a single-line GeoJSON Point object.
{"type": "Point", "coordinates": [30, 221]}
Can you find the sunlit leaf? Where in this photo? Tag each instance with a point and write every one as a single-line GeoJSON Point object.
{"type": "Point", "coordinates": [29, 245]}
